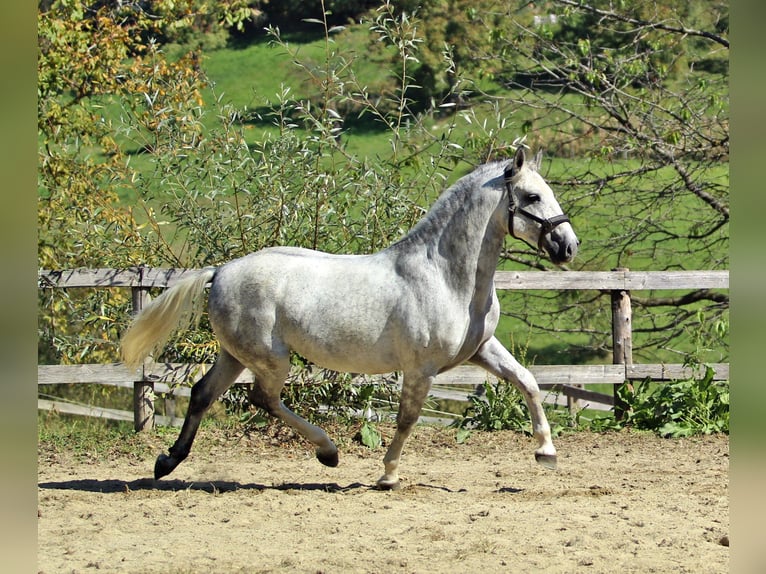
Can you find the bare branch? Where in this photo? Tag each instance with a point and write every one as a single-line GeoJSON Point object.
{"type": "Point", "coordinates": [644, 23]}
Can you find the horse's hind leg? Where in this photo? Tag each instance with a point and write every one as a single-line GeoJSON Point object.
{"type": "Point", "coordinates": [266, 394]}
{"type": "Point", "coordinates": [498, 360]}
{"type": "Point", "coordinates": [203, 394]}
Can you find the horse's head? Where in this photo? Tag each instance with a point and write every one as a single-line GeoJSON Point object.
{"type": "Point", "coordinates": [534, 215]}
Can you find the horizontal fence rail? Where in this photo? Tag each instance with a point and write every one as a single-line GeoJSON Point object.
{"type": "Point", "coordinates": [566, 381]}
{"type": "Point", "coordinates": [545, 280]}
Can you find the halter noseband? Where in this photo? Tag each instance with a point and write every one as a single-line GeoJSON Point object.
{"type": "Point", "coordinates": [546, 225]}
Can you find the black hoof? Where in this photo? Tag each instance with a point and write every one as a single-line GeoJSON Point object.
{"type": "Point", "coordinates": [328, 459]}
{"type": "Point", "coordinates": [546, 460]}
{"type": "Point", "coordinates": [164, 466]}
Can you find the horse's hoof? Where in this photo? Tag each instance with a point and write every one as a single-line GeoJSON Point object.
{"type": "Point", "coordinates": [388, 484]}
{"type": "Point", "coordinates": [546, 460]}
{"type": "Point", "coordinates": [328, 459]}
{"type": "Point", "coordinates": [163, 466]}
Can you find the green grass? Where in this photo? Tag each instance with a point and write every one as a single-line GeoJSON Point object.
{"type": "Point", "coordinates": [89, 438]}
{"type": "Point", "coordinates": [252, 76]}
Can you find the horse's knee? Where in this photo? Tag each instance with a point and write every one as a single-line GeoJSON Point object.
{"type": "Point", "coordinates": [405, 422]}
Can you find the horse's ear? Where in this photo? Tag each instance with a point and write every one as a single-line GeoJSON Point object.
{"type": "Point", "coordinates": [519, 159]}
{"type": "Point", "coordinates": [516, 164]}
{"type": "Point", "coordinates": [538, 161]}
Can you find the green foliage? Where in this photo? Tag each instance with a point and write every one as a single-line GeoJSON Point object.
{"type": "Point", "coordinates": [211, 195]}
{"type": "Point", "coordinates": [501, 407]}
{"type": "Point", "coordinates": [369, 436]}
{"type": "Point", "coordinates": [215, 196]}
{"type": "Point", "coordinates": [317, 394]}
{"type": "Point", "coordinates": [680, 408]}
{"type": "Point", "coordinates": [697, 405]}
{"type": "Point", "coordinates": [87, 56]}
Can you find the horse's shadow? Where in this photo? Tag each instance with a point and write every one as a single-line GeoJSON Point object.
{"type": "Point", "coordinates": [111, 486]}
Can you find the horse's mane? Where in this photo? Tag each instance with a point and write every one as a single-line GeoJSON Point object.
{"type": "Point", "coordinates": [451, 201]}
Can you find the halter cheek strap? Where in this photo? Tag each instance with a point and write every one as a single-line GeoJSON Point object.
{"type": "Point", "coordinates": [546, 224]}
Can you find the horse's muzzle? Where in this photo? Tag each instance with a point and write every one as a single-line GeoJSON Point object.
{"type": "Point", "coordinates": [561, 244]}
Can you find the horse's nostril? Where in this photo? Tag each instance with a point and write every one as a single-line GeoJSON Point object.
{"type": "Point", "coordinates": [570, 250]}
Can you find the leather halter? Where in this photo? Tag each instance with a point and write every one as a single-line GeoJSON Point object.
{"type": "Point", "coordinates": [546, 224]}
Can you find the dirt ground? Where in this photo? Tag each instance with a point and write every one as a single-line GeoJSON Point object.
{"type": "Point", "coordinates": [619, 502]}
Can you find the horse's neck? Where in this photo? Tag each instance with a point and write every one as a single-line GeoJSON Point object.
{"type": "Point", "coordinates": [461, 236]}
{"type": "Point", "coordinates": [470, 257]}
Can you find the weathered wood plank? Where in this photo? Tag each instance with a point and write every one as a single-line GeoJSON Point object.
{"type": "Point", "coordinates": [646, 280]}
{"type": "Point", "coordinates": [556, 280]}
{"type": "Point", "coordinates": [675, 372]}
{"type": "Point", "coordinates": [84, 410]}
{"type": "Point", "coordinates": [557, 395]}
{"type": "Point", "coordinates": [611, 280]}
{"type": "Point", "coordinates": [578, 374]}
{"type": "Point", "coordinates": [178, 373]}
{"type": "Point", "coordinates": [165, 375]}
{"type": "Point", "coordinates": [108, 373]}
{"type": "Point", "coordinates": [464, 375]}
{"type": "Point", "coordinates": [557, 378]}
{"type": "Point", "coordinates": [102, 412]}
{"type": "Point", "coordinates": [545, 374]}
{"type": "Point", "coordinates": [186, 373]}
{"type": "Point", "coordinates": [585, 395]}
{"type": "Point", "coordinates": [88, 278]}
{"type": "Point", "coordinates": [159, 388]}
{"type": "Point", "coordinates": [132, 277]}
{"type": "Point", "coordinates": [161, 277]}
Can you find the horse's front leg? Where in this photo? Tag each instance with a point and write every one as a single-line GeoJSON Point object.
{"type": "Point", "coordinates": [414, 392]}
{"type": "Point", "coordinates": [498, 360]}
{"type": "Point", "coordinates": [204, 392]}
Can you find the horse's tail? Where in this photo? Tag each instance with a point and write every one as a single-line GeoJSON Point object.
{"type": "Point", "coordinates": [178, 307]}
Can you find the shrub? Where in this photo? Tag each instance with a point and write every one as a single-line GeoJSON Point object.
{"type": "Point", "coordinates": [500, 407]}
{"type": "Point", "coordinates": [680, 408]}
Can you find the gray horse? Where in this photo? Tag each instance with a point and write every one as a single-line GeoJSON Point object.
{"type": "Point", "coordinates": [422, 306]}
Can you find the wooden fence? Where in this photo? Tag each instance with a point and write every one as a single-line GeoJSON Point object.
{"type": "Point", "coordinates": [566, 380]}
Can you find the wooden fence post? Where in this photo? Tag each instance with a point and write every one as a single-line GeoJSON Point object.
{"type": "Point", "coordinates": [143, 391]}
{"type": "Point", "coordinates": [573, 405]}
{"type": "Point", "coordinates": [622, 342]}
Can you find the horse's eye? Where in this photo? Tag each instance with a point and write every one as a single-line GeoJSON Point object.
{"type": "Point", "coordinates": [533, 198]}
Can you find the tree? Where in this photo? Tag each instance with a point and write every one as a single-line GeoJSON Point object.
{"type": "Point", "coordinates": [641, 88]}
{"type": "Point", "coordinates": [91, 56]}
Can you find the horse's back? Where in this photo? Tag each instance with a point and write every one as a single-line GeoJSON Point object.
{"type": "Point", "coordinates": [340, 311]}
